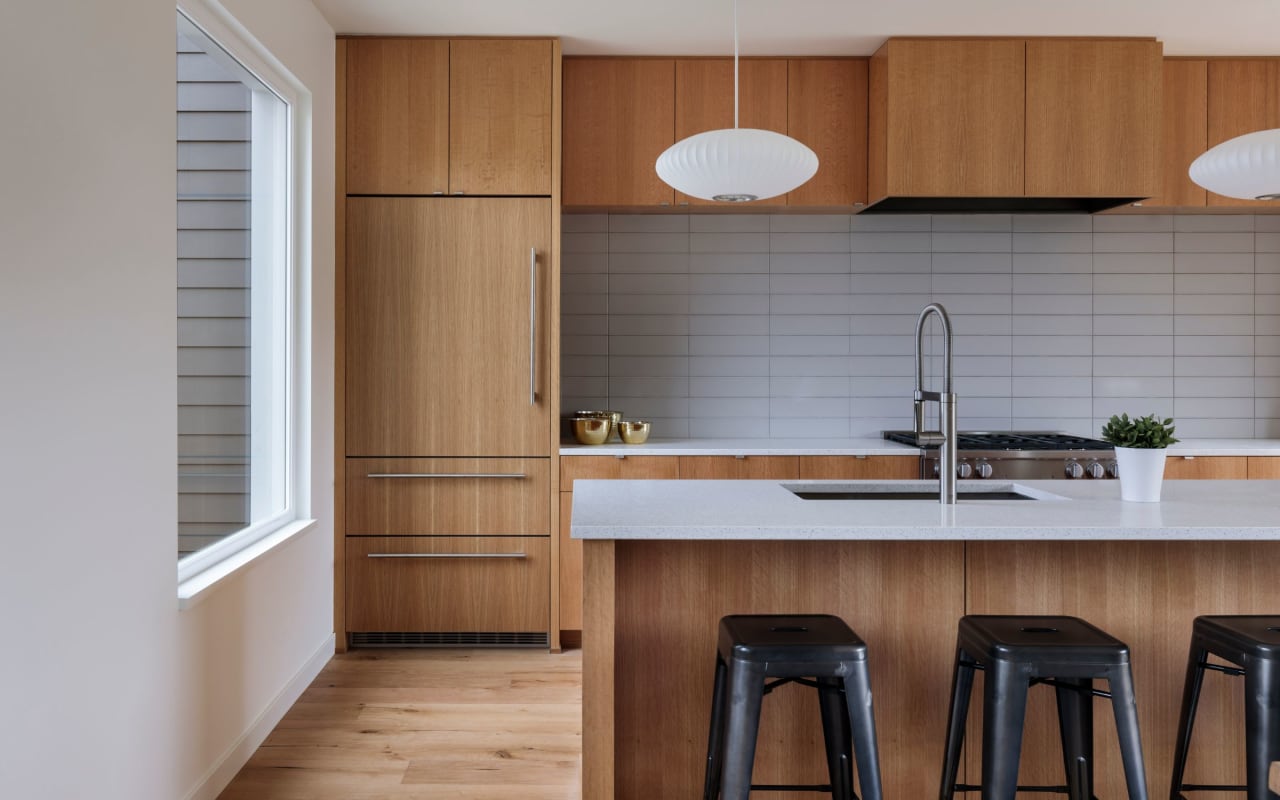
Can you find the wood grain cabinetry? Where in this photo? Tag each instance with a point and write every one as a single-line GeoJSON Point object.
{"type": "Point", "coordinates": [448, 583]}
{"type": "Point", "coordinates": [1184, 131]}
{"type": "Point", "coordinates": [704, 101]}
{"type": "Point", "coordinates": [397, 120]}
{"type": "Point", "coordinates": [619, 115]}
{"type": "Point", "coordinates": [1244, 96]}
{"type": "Point", "coordinates": [769, 468]}
{"type": "Point", "coordinates": [448, 496]}
{"type": "Point", "coordinates": [947, 118]}
{"type": "Point", "coordinates": [827, 110]}
{"type": "Point", "coordinates": [1199, 468]}
{"type": "Point", "coordinates": [434, 116]}
{"type": "Point", "coordinates": [1264, 468]}
{"type": "Point", "coordinates": [440, 357]}
{"type": "Point", "coordinates": [859, 467]}
{"type": "Point", "coordinates": [1006, 118]}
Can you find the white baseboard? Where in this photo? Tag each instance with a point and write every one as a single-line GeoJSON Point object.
{"type": "Point", "coordinates": [234, 758]}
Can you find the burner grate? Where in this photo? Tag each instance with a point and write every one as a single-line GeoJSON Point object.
{"type": "Point", "coordinates": [1011, 440]}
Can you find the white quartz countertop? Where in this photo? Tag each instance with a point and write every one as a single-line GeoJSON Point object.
{"type": "Point", "coordinates": [866, 446]}
{"type": "Point", "coordinates": [1075, 510]}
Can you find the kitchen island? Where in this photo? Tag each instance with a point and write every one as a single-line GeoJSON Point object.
{"type": "Point", "coordinates": [666, 559]}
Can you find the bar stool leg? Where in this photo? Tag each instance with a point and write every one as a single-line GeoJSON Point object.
{"type": "Point", "coordinates": [1075, 724]}
{"type": "Point", "coordinates": [836, 736]}
{"type": "Point", "coordinates": [1262, 724]}
{"type": "Point", "coordinates": [742, 723]}
{"type": "Point", "coordinates": [1196, 658]}
{"type": "Point", "coordinates": [961, 687]}
{"type": "Point", "coordinates": [862, 722]}
{"type": "Point", "coordinates": [1125, 705]}
{"type": "Point", "coordinates": [1003, 711]}
{"type": "Point", "coordinates": [715, 736]}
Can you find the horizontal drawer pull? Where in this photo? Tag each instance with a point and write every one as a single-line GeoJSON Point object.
{"type": "Point", "coordinates": [448, 555]}
{"type": "Point", "coordinates": [446, 475]}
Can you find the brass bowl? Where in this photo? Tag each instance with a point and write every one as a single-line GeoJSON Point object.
{"type": "Point", "coordinates": [614, 417]}
{"type": "Point", "coordinates": [634, 431]}
{"type": "Point", "coordinates": [591, 430]}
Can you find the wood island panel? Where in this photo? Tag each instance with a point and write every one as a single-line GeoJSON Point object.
{"type": "Point", "coordinates": [570, 580]}
{"type": "Point", "coordinates": [652, 610]}
{"type": "Point", "coordinates": [1146, 594]}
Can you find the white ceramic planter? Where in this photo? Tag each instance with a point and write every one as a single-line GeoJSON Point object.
{"type": "Point", "coordinates": [1141, 473]}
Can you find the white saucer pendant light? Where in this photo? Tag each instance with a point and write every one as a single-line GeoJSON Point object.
{"type": "Point", "coordinates": [1246, 167]}
{"type": "Point", "coordinates": [736, 165]}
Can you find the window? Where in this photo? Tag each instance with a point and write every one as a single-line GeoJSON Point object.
{"type": "Point", "coordinates": [237, 284]}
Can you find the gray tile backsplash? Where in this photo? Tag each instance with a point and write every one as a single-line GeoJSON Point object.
{"type": "Point", "coordinates": [755, 325]}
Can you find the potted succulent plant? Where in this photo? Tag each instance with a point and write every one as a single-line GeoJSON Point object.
{"type": "Point", "coordinates": [1140, 450]}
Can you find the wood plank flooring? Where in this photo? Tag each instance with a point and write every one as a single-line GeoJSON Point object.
{"type": "Point", "coordinates": [425, 724]}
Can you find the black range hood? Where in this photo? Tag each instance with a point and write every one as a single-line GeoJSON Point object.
{"type": "Point", "coordinates": [997, 205]}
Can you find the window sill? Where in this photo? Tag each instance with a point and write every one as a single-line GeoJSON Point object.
{"type": "Point", "coordinates": [195, 589]}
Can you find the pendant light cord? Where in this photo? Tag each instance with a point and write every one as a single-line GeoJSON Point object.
{"type": "Point", "coordinates": [735, 63]}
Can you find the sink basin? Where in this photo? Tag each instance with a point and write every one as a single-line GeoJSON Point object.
{"type": "Point", "coordinates": [914, 490]}
{"type": "Point", "coordinates": [842, 495]}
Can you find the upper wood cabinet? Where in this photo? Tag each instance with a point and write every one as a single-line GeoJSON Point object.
{"type": "Point", "coordinates": [619, 115]}
{"type": "Point", "coordinates": [1244, 96]}
{"type": "Point", "coordinates": [442, 356]}
{"type": "Point", "coordinates": [1005, 118]}
{"type": "Point", "coordinates": [827, 110]}
{"type": "Point", "coordinates": [947, 118]}
{"type": "Point", "coordinates": [433, 116]}
{"type": "Point", "coordinates": [704, 102]}
{"type": "Point", "coordinates": [397, 116]}
{"type": "Point", "coordinates": [1184, 131]}
{"type": "Point", "coordinates": [1093, 118]}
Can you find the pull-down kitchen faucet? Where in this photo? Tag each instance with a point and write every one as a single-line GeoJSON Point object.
{"type": "Point", "coordinates": [946, 399]}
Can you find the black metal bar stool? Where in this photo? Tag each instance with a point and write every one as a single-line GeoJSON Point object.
{"type": "Point", "coordinates": [1017, 652]}
{"type": "Point", "coordinates": [816, 650]}
{"type": "Point", "coordinates": [1252, 643]}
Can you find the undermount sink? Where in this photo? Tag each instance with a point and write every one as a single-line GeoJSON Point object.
{"type": "Point", "coordinates": [914, 490]}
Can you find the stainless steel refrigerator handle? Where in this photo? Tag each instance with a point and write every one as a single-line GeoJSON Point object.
{"type": "Point", "coordinates": [445, 475]}
{"type": "Point", "coordinates": [533, 326]}
{"type": "Point", "coordinates": [447, 555]}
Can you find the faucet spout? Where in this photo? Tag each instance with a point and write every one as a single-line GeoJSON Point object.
{"type": "Point", "coordinates": [945, 438]}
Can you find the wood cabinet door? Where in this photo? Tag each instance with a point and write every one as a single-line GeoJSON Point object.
{"type": "Point", "coordinates": [440, 355]}
{"type": "Point", "coordinates": [448, 583]}
{"type": "Point", "coordinates": [500, 116]}
{"type": "Point", "coordinates": [1244, 96]}
{"type": "Point", "coordinates": [1264, 468]}
{"type": "Point", "coordinates": [631, 468]}
{"type": "Point", "coordinates": [1184, 131]}
{"type": "Point", "coordinates": [859, 467]}
{"type": "Point", "coordinates": [397, 116]}
{"type": "Point", "coordinates": [947, 118]}
{"type": "Point", "coordinates": [1203, 468]}
{"type": "Point", "coordinates": [704, 102]}
{"type": "Point", "coordinates": [1093, 118]}
{"type": "Point", "coordinates": [827, 110]}
{"type": "Point", "coordinates": [762, 468]}
{"type": "Point", "coordinates": [619, 115]}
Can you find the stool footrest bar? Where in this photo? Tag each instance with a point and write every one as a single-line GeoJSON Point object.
{"type": "Point", "coordinates": [1211, 787]}
{"type": "Point", "coordinates": [1236, 671]}
{"type": "Point", "coordinates": [977, 787]}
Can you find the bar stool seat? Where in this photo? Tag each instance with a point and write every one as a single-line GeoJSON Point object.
{"type": "Point", "coordinates": [1252, 644]}
{"type": "Point", "coordinates": [1015, 653]}
{"type": "Point", "coordinates": [816, 650]}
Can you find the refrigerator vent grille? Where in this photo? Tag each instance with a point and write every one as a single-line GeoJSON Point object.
{"type": "Point", "coordinates": [450, 639]}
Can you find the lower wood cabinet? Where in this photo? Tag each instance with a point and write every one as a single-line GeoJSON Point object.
{"type": "Point", "coordinates": [764, 468]}
{"type": "Point", "coordinates": [448, 584]}
{"type": "Point", "coordinates": [859, 467]}
{"type": "Point", "coordinates": [1264, 468]}
{"type": "Point", "coordinates": [1202, 468]}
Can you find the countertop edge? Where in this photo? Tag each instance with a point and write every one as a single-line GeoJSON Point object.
{"type": "Point", "coordinates": [860, 446]}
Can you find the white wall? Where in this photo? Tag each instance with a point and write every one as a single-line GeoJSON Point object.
{"type": "Point", "coordinates": [107, 690]}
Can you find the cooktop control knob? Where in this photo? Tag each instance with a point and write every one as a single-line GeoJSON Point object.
{"type": "Point", "coordinates": [1095, 469]}
{"type": "Point", "coordinates": [1113, 470]}
{"type": "Point", "coordinates": [1073, 469]}
{"type": "Point", "coordinates": [964, 470]}
{"type": "Point", "coordinates": [983, 469]}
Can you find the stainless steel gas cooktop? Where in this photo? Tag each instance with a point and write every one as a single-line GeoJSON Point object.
{"type": "Point", "coordinates": [1025, 455]}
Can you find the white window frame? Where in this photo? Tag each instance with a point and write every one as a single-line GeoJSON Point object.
{"type": "Point", "coordinates": [200, 571]}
